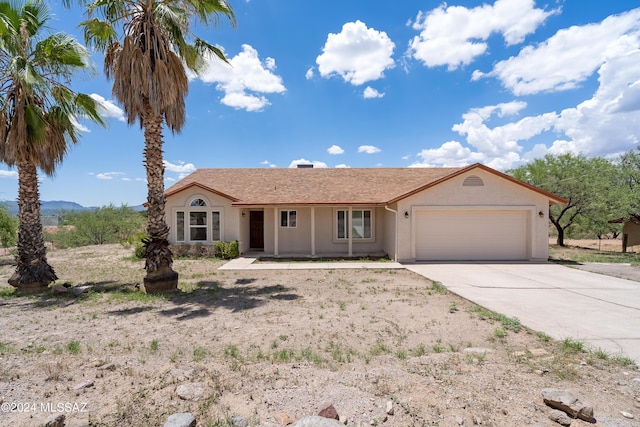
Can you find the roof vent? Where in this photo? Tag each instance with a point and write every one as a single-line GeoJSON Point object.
{"type": "Point", "coordinates": [305, 166]}
{"type": "Point", "coordinates": [473, 181]}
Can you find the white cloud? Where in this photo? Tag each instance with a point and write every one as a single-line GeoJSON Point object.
{"type": "Point", "coordinates": [315, 163]}
{"type": "Point", "coordinates": [108, 109]}
{"type": "Point", "coordinates": [181, 167]}
{"type": "Point", "coordinates": [268, 163]}
{"type": "Point", "coordinates": [245, 80]}
{"type": "Point", "coordinates": [334, 149]}
{"type": "Point", "coordinates": [570, 56]}
{"type": "Point", "coordinates": [608, 122]}
{"type": "Point", "coordinates": [449, 154]}
{"type": "Point", "coordinates": [369, 149]}
{"type": "Point", "coordinates": [309, 74]}
{"type": "Point", "coordinates": [370, 92]}
{"type": "Point", "coordinates": [341, 166]}
{"type": "Point", "coordinates": [8, 174]}
{"type": "Point", "coordinates": [357, 54]}
{"type": "Point", "coordinates": [109, 175]}
{"type": "Point", "coordinates": [455, 35]}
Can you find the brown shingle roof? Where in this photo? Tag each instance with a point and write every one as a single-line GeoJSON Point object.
{"type": "Point", "coordinates": [322, 186]}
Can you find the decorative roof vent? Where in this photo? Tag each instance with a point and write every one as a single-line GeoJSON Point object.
{"type": "Point", "coordinates": [473, 181]}
{"type": "Point", "coordinates": [305, 166]}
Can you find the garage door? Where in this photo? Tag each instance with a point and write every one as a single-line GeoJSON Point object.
{"type": "Point", "coordinates": [468, 235]}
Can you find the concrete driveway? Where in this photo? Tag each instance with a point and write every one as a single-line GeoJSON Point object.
{"type": "Point", "coordinates": [562, 302]}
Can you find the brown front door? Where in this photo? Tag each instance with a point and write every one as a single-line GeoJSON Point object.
{"type": "Point", "coordinates": [256, 229]}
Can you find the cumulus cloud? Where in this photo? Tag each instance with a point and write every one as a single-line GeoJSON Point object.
{"type": "Point", "coordinates": [335, 149]}
{"type": "Point", "coordinates": [268, 163]}
{"type": "Point", "coordinates": [569, 57]}
{"type": "Point", "coordinates": [8, 174]}
{"type": "Point", "coordinates": [303, 161]}
{"type": "Point", "coordinates": [357, 54]}
{"type": "Point", "coordinates": [180, 167]}
{"type": "Point", "coordinates": [370, 92]}
{"type": "Point", "coordinates": [369, 149]}
{"type": "Point", "coordinates": [108, 109]}
{"type": "Point", "coordinates": [342, 166]}
{"type": "Point", "coordinates": [454, 36]}
{"type": "Point", "coordinates": [109, 175]}
{"type": "Point", "coordinates": [245, 80]}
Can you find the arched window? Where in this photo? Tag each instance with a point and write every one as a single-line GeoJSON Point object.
{"type": "Point", "coordinates": [196, 223]}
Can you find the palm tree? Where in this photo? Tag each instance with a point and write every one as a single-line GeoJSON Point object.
{"type": "Point", "coordinates": [147, 66]}
{"type": "Point", "coordinates": [38, 113]}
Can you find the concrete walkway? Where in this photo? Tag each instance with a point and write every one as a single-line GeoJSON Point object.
{"type": "Point", "coordinates": [248, 263]}
{"type": "Point", "coordinates": [562, 302]}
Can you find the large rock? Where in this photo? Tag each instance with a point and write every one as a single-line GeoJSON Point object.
{"type": "Point", "coordinates": [315, 421]}
{"type": "Point", "coordinates": [560, 417]}
{"type": "Point", "coordinates": [190, 391]}
{"type": "Point", "coordinates": [328, 411]}
{"type": "Point", "coordinates": [184, 419]}
{"type": "Point", "coordinates": [567, 401]}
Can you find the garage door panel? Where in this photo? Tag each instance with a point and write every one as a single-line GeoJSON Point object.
{"type": "Point", "coordinates": [471, 235]}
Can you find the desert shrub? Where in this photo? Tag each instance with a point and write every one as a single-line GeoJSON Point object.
{"type": "Point", "coordinates": [226, 250]}
{"type": "Point", "coordinates": [193, 250]}
{"type": "Point", "coordinates": [8, 228]}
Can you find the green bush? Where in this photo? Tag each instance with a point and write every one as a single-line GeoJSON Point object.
{"type": "Point", "coordinates": [226, 250]}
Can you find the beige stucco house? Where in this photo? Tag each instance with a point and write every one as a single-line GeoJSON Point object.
{"type": "Point", "coordinates": [409, 214]}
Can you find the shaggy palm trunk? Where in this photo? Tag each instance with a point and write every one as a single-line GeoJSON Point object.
{"type": "Point", "coordinates": [33, 272]}
{"type": "Point", "coordinates": [160, 276]}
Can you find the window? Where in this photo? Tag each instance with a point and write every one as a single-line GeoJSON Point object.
{"type": "Point", "coordinates": [196, 223]}
{"type": "Point", "coordinates": [180, 226]}
{"type": "Point", "coordinates": [288, 219]}
{"type": "Point", "coordinates": [360, 224]}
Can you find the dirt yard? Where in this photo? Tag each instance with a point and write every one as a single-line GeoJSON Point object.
{"type": "Point", "coordinates": [261, 346]}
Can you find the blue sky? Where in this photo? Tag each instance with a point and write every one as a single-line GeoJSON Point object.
{"type": "Point", "coordinates": [364, 83]}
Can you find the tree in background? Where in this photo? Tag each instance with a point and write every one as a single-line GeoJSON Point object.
{"type": "Point", "coordinates": [8, 228]}
{"type": "Point", "coordinates": [593, 187]}
{"type": "Point", "coordinates": [107, 224]}
{"type": "Point", "coordinates": [149, 79]}
{"type": "Point", "coordinates": [37, 120]}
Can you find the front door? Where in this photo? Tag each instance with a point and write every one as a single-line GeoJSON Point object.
{"type": "Point", "coordinates": [256, 229]}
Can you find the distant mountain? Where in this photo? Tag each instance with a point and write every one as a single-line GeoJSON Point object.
{"type": "Point", "coordinates": [54, 207]}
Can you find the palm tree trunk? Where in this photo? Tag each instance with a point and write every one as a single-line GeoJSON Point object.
{"type": "Point", "coordinates": [33, 272]}
{"type": "Point", "coordinates": [160, 276]}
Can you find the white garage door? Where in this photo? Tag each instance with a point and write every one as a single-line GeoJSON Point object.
{"type": "Point", "coordinates": [471, 235]}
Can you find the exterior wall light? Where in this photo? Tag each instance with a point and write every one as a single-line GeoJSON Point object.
{"type": "Point", "coordinates": [406, 214]}
{"type": "Point", "coordinates": [541, 214]}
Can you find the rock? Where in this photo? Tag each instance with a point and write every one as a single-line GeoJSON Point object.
{"type": "Point", "coordinates": [96, 363]}
{"type": "Point", "coordinates": [538, 352]}
{"type": "Point", "coordinates": [85, 384]}
{"type": "Point", "coordinates": [237, 421]}
{"type": "Point", "coordinates": [58, 289]}
{"type": "Point", "coordinates": [184, 419]}
{"type": "Point", "coordinates": [627, 415]}
{"type": "Point", "coordinates": [315, 421]}
{"type": "Point", "coordinates": [282, 418]}
{"type": "Point", "coordinates": [108, 367]}
{"type": "Point", "coordinates": [55, 420]}
{"type": "Point", "coordinates": [389, 409]}
{"type": "Point", "coordinates": [80, 290]}
{"type": "Point", "coordinates": [328, 411]}
{"type": "Point", "coordinates": [560, 417]}
{"type": "Point", "coordinates": [459, 420]}
{"type": "Point", "coordinates": [190, 391]}
{"type": "Point", "coordinates": [567, 401]}
{"type": "Point", "coordinates": [477, 350]}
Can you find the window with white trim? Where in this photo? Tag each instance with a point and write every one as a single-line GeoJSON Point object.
{"type": "Point", "coordinates": [197, 223]}
{"type": "Point", "coordinates": [359, 225]}
{"type": "Point", "coordinates": [288, 219]}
